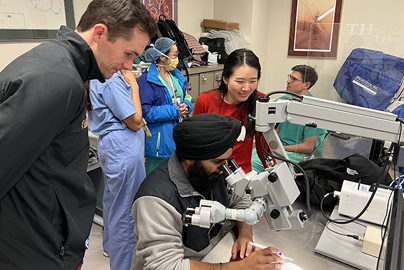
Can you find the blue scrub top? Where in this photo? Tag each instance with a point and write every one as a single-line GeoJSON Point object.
{"type": "Point", "coordinates": [111, 104]}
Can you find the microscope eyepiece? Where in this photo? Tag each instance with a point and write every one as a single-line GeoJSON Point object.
{"type": "Point", "coordinates": [225, 169]}
{"type": "Point", "coordinates": [187, 219]}
{"type": "Point", "coordinates": [233, 164]}
{"type": "Point", "coordinates": [190, 211]}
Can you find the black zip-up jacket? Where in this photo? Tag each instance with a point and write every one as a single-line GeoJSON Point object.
{"type": "Point", "coordinates": [47, 200]}
{"type": "Point", "coordinates": [162, 241]}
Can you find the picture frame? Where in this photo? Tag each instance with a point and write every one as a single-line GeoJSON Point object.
{"type": "Point", "coordinates": [314, 28]}
{"type": "Point", "coordinates": [168, 8]}
{"type": "Point", "coordinates": [19, 23]}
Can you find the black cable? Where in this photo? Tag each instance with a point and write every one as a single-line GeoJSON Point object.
{"type": "Point", "coordinates": [186, 70]}
{"type": "Point", "coordinates": [300, 97]}
{"type": "Point", "coordinates": [326, 225]}
{"type": "Point", "coordinates": [385, 231]}
{"type": "Point", "coordinates": [399, 140]}
{"type": "Point", "coordinates": [366, 206]}
{"type": "Point", "coordinates": [309, 212]}
{"type": "Point", "coordinates": [354, 236]}
{"type": "Point", "coordinates": [388, 210]}
{"type": "Point", "coordinates": [400, 120]}
{"type": "Point", "coordinates": [357, 237]}
{"type": "Point", "coordinates": [371, 197]}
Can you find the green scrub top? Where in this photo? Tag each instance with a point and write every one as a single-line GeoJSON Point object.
{"type": "Point", "coordinates": [293, 134]}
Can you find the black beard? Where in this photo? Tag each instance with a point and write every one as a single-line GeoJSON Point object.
{"type": "Point", "coordinates": [202, 180]}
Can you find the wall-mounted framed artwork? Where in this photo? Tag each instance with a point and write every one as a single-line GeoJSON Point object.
{"type": "Point", "coordinates": [168, 8]}
{"type": "Point", "coordinates": [314, 28]}
{"type": "Point", "coordinates": [34, 20]}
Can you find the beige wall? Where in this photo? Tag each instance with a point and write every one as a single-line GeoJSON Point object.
{"type": "Point", "coordinates": [239, 11]}
{"type": "Point", "coordinates": [11, 50]}
{"type": "Point", "coordinates": [252, 16]}
{"type": "Point", "coordinates": [190, 15]}
{"type": "Point", "coordinates": [360, 12]}
{"type": "Point", "coordinates": [265, 23]}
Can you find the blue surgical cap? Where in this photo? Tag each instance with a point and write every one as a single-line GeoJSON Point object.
{"type": "Point", "coordinates": [161, 46]}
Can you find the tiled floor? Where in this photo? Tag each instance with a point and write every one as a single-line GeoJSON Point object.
{"type": "Point", "coordinates": [93, 258]}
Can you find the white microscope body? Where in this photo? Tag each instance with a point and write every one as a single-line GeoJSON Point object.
{"type": "Point", "coordinates": [274, 190]}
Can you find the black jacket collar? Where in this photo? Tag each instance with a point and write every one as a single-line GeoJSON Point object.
{"type": "Point", "coordinates": [83, 56]}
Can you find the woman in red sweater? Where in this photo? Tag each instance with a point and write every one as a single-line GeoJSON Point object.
{"type": "Point", "coordinates": [236, 97]}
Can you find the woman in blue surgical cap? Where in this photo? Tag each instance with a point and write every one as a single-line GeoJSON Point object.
{"type": "Point", "coordinates": [162, 90]}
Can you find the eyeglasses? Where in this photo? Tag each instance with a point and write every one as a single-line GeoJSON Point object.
{"type": "Point", "coordinates": [293, 78]}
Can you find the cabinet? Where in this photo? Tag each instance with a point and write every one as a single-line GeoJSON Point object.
{"type": "Point", "coordinates": [202, 79]}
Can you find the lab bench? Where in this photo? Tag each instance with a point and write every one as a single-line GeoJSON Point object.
{"type": "Point", "coordinates": [307, 245]}
{"type": "Point", "coordinates": [296, 244]}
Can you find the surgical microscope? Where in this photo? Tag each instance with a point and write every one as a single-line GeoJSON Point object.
{"type": "Point", "coordinates": [274, 191]}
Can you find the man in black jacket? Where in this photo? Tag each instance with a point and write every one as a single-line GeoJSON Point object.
{"type": "Point", "coordinates": [47, 201]}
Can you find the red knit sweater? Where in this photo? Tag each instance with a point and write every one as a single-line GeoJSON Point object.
{"type": "Point", "coordinates": [212, 102]}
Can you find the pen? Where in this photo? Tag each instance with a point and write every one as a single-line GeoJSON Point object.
{"type": "Point", "coordinates": [274, 254]}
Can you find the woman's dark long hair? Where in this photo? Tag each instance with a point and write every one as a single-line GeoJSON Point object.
{"type": "Point", "coordinates": [236, 59]}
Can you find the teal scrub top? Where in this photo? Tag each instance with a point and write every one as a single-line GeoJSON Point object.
{"type": "Point", "coordinates": [173, 84]}
{"type": "Point", "coordinates": [294, 134]}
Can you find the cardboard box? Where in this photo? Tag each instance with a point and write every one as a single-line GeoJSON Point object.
{"type": "Point", "coordinates": [372, 242]}
{"type": "Point", "coordinates": [218, 24]}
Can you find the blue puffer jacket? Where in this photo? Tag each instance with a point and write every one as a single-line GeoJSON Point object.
{"type": "Point", "coordinates": [159, 112]}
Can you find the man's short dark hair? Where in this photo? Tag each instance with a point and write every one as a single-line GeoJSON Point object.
{"type": "Point", "coordinates": [120, 17]}
{"type": "Point", "coordinates": [308, 73]}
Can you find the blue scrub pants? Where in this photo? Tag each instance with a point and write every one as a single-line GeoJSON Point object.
{"type": "Point", "coordinates": [121, 154]}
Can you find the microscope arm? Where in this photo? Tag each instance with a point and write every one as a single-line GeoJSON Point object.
{"type": "Point", "coordinates": [212, 212]}
{"type": "Point", "coordinates": [330, 115]}
{"type": "Point", "coordinates": [275, 190]}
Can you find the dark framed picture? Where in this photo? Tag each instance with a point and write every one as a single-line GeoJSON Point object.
{"type": "Point", "coordinates": [34, 20]}
{"type": "Point", "coordinates": [314, 28]}
{"type": "Point", "coordinates": [167, 8]}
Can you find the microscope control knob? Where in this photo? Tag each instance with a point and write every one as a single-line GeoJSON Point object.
{"type": "Point", "coordinates": [272, 177]}
{"type": "Point", "coordinates": [275, 214]}
{"type": "Point", "coordinates": [303, 216]}
{"type": "Point", "coordinates": [263, 99]}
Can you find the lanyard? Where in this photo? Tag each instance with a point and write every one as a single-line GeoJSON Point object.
{"type": "Point", "coordinates": [170, 86]}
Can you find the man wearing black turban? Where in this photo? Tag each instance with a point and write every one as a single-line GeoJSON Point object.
{"type": "Point", "coordinates": [203, 143]}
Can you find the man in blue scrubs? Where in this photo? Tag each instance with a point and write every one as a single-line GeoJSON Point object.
{"type": "Point", "coordinates": [116, 116]}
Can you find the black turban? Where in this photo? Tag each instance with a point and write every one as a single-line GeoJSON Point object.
{"type": "Point", "coordinates": [206, 136]}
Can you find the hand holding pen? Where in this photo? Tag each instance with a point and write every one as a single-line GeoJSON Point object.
{"type": "Point", "coordinates": [279, 254]}
{"type": "Point", "coordinates": [259, 259]}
